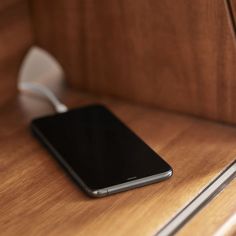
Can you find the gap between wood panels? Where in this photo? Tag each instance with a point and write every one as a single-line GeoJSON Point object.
{"type": "Point", "coordinates": [204, 197]}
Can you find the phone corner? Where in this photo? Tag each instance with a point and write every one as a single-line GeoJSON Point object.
{"type": "Point", "coordinates": [97, 193]}
{"type": "Point", "coordinates": [169, 173]}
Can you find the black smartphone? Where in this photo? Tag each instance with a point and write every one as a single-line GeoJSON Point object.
{"type": "Point", "coordinates": [100, 152]}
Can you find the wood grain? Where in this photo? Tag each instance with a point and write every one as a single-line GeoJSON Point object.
{"type": "Point", "coordinates": [5, 4]}
{"type": "Point", "coordinates": [176, 56]}
{"type": "Point", "coordinates": [233, 7]}
{"type": "Point", "coordinates": [37, 198]}
{"type": "Point", "coordinates": [208, 220]}
{"type": "Point", "coordinates": [15, 39]}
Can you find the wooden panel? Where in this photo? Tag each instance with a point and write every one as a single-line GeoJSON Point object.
{"type": "Point", "coordinates": [232, 5]}
{"type": "Point", "coordinates": [37, 198]}
{"type": "Point", "coordinates": [15, 40]}
{"type": "Point", "coordinates": [218, 218]}
{"type": "Point", "coordinates": [4, 4]}
{"type": "Point", "coordinates": [232, 13]}
{"type": "Point", "coordinates": [177, 56]}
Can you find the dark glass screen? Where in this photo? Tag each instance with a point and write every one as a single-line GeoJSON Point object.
{"type": "Point", "coordinates": [99, 147]}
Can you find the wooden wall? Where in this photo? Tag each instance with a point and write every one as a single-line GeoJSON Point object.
{"type": "Point", "coordinates": [176, 55]}
{"type": "Point", "coordinates": [15, 39]}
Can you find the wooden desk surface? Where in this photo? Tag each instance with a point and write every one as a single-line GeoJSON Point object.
{"type": "Point", "coordinates": [37, 198]}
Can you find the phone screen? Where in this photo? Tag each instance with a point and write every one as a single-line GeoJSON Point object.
{"type": "Point", "coordinates": [98, 147]}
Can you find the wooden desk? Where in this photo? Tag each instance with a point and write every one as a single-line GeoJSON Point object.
{"type": "Point", "coordinates": [37, 198]}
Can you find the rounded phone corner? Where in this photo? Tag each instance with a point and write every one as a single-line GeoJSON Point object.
{"type": "Point", "coordinates": [98, 193]}
{"type": "Point", "coordinates": [170, 172]}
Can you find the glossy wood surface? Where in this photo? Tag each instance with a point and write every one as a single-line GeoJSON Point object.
{"type": "Point", "coordinates": [176, 56]}
{"type": "Point", "coordinates": [37, 198]}
{"type": "Point", "coordinates": [15, 39]}
{"type": "Point", "coordinates": [220, 212]}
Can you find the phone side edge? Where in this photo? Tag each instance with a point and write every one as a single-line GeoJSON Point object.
{"type": "Point", "coordinates": [140, 182]}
